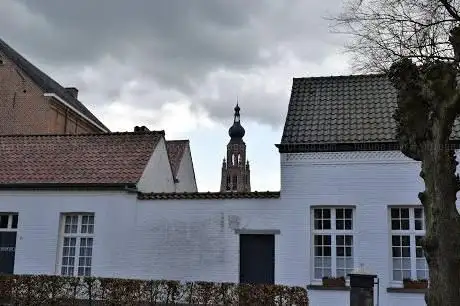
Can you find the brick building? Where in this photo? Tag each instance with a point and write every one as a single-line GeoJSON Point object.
{"type": "Point", "coordinates": [31, 102]}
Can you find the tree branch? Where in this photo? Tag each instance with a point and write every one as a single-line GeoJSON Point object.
{"type": "Point", "coordinates": [453, 12]}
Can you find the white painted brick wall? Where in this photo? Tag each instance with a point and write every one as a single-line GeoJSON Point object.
{"type": "Point", "coordinates": [168, 239]}
{"type": "Point", "coordinates": [369, 180]}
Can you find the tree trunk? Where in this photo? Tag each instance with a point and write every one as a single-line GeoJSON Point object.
{"type": "Point", "coordinates": [442, 239]}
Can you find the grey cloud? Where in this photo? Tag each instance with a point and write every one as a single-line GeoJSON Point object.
{"type": "Point", "coordinates": [176, 44]}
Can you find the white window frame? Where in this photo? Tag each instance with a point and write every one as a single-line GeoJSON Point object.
{"type": "Point", "coordinates": [412, 233]}
{"type": "Point", "coordinates": [9, 227]}
{"type": "Point", "coordinates": [78, 235]}
{"type": "Point", "coordinates": [333, 232]}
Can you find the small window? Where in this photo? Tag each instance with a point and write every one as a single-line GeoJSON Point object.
{"type": "Point", "coordinates": [235, 182]}
{"type": "Point", "coordinates": [8, 221]}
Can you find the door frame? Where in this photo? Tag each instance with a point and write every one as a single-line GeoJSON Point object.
{"type": "Point", "coordinates": [244, 231]}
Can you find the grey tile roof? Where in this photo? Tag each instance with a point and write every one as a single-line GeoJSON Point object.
{"type": "Point", "coordinates": [46, 83]}
{"type": "Point", "coordinates": [342, 109]}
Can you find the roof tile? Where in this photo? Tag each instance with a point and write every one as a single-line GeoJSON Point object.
{"type": "Point", "coordinates": [109, 158]}
{"type": "Point", "coordinates": [176, 149]}
{"type": "Point", "coordinates": [343, 109]}
{"type": "Point", "coordinates": [209, 195]}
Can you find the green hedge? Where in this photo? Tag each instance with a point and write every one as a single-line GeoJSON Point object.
{"type": "Point", "coordinates": [58, 290]}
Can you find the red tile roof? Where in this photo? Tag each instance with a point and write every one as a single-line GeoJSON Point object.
{"type": "Point", "coordinates": [176, 149]}
{"type": "Point", "coordinates": [209, 195]}
{"type": "Point", "coordinates": [112, 158]}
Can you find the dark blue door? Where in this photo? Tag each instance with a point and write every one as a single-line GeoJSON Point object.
{"type": "Point", "coordinates": [257, 259]}
{"type": "Point", "coordinates": [7, 251]}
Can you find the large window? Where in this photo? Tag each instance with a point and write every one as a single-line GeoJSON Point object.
{"type": "Point", "coordinates": [76, 248]}
{"type": "Point", "coordinates": [332, 242]}
{"type": "Point", "coordinates": [407, 230]}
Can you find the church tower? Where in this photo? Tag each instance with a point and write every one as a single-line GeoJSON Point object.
{"type": "Point", "coordinates": [235, 169]}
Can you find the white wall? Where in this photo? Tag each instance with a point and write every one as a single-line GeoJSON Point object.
{"type": "Point", "coordinates": [38, 226]}
{"type": "Point", "coordinates": [186, 174]}
{"type": "Point", "coordinates": [157, 175]}
{"type": "Point", "coordinates": [369, 180]}
{"type": "Point", "coordinates": [152, 239]}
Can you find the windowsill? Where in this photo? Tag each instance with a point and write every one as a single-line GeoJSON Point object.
{"type": "Point", "coordinates": [321, 287]}
{"type": "Point", "coordinates": [405, 290]}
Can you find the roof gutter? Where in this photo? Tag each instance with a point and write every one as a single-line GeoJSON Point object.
{"type": "Point", "coordinates": [347, 147]}
{"type": "Point", "coordinates": [53, 95]}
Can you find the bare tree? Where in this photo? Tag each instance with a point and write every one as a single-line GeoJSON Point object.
{"type": "Point", "coordinates": [417, 43]}
{"type": "Point", "coordinates": [384, 31]}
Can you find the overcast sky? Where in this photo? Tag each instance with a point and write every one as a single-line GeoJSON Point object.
{"type": "Point", "coordinates": [179, 65]}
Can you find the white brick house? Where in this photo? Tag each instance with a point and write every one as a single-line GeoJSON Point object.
{"type": "Point", "coordinates": [341, 168]}
{"type": "Point", "coordinates": [44, 177]}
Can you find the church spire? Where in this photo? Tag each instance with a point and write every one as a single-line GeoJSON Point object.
{"type": "Point", "coordinates": [235, 171]}
{"type": "Point", "coordinates": [236, 131]}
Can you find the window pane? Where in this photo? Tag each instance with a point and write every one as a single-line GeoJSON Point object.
{"type": "Point", "coordinates": [400, 218]}
{"type": "Point", "coordinates": [318, 213]}
{"type": "Point", "coordinates": [348, 224]}
{"type": "Point", "coordinates": [344, 254]}
{"type": "Point", "coordinates": [339, 213]}
{"type": "Point", "coordinates": [405, 224]}
{"type": "Point", "coordinates": [397, 275]}
{"type": "Point", "coordinates": [396, 240]}
{"type": "Point", "coordinates": [322, 218]}
{"type": "Point", "coordinates": [418, 247]}
{"type": "Point", "coordinates": [340, 251]}
{"type": "Point", "coordinates": [401, 256]}
{"type": "Point", "coordinates": [340, 224]}
{"type": "Point", "coordinates": [322, 259]}
{"type": "Point", "coordinates": [418, 213]}
{"type": "Point", "coordinates": [14, 224]}
{"type": "Point", "coordinates": [348, 213]}
{"type": "Point", "coordinates": [405, 240]}
{"type": "Point", "coordinates": [4, 221]}
{"type": "Point", "coordinates": [404, 213]}
{"type": "Point", "coordinates": [340, 240]}
{"type": "Point", "coordinates": [85, 253]}
{"type": "Point", "coordinates": [343, 219]}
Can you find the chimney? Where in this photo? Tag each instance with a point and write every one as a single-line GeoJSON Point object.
{"type": "Point", "coordinates": [141, 129]}
{"type": "Point", "coordinates": [73, 91]}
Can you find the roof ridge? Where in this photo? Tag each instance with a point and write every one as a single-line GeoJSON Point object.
{"type": "Point", "coordinates": [342, 76]}
{"type": "Point", "coordinates": [178, 140]}
{"type": "Point", "coordinates": [161, 132]}
{"type": "Point", "coordinates": [211, 195]}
